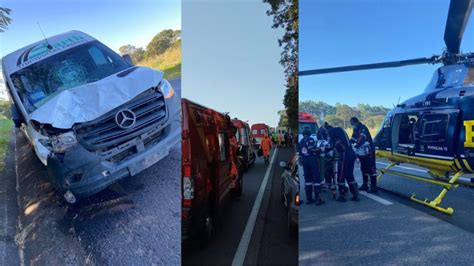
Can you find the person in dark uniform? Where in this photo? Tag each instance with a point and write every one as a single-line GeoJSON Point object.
{"type": "Point", "coordinates": [327, 161]}
{"type": "Point", "coordinates": [324, 129]}
{"type": "Point", "coordinates": [363, 142]}
{"type": "Point", "coordinates": [345, 165]}
{"type": "Point", "coordinates": [308, 154]}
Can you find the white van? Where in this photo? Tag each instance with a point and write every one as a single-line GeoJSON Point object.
{"type": "Point", "coordinates": [91, 116]}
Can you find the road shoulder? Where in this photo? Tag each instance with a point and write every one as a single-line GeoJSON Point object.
{"type": "Point", "coordinates": [8, 209]}
{"type": "Point", "coordinates": [42, 236]}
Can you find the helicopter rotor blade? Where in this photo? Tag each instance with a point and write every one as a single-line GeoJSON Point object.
{"type": "Point", "coordinates": [416, 61]}
{"type": "Point", "coordinates": [458, 15]}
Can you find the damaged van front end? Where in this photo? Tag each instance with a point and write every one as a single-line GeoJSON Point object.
{"type": "Point", "coordinates": [90, 115]}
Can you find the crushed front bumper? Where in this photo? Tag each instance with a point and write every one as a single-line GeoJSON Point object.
{"type": "Point", "coordinates": [85, 173]}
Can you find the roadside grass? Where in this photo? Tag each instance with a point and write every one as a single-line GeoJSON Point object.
{"type": "Point", "coordinates": [168, 62]}
{"type": "Point", "coordinates": [172, 71]}
{"type": "Point", "coordinates": [5, 129]}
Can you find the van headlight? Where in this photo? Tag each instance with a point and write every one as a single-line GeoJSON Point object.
{"type": "Point", "coordinates": [166, 88]}
{"type": "Point", "coordinates": [60, 143]}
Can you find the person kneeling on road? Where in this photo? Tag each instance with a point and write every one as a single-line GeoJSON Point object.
{"type": "Point", "coordinates": [309, 158]}
{"type": "Point", "coordinates": [345, 166]}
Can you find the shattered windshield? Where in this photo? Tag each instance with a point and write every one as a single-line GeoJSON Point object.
{"type": "Point", "coordinates": [90, 62]}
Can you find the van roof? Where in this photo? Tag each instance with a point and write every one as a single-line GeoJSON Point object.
{"type": "Point", "coordinates": [239, 123]}
{"type": "Point", "coordinates": [201, 106]}
{"type": "Point", "coordinates": [260, 125]}
{"type": "Point", "coordinates": [221, 120]}
{"type": "Point", "coordinates": [37, 51]}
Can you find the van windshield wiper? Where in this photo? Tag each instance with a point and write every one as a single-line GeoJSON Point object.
{"type": "Point", "coordinates": [126, 72]}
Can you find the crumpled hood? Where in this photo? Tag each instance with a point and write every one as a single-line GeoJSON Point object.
{"type": "Point", "coordinates": [89, 101]}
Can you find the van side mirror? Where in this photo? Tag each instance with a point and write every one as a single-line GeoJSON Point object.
{"type": "Point", "coordinates": [17, 117]}
{"type": "Point", "coordinates": [127, 58]}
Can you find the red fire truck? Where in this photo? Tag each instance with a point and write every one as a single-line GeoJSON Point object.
{"type": "Point", "coordinates": [210, 169]}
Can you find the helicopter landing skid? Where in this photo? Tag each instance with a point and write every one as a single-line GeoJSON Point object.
{"type": "Point", "coordinates": [434, 204]}
{"type": "Point", "coordinates": [460, 182]}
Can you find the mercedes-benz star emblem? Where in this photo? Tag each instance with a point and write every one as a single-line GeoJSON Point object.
{"type": "Point", "coordinates": [125, 118]}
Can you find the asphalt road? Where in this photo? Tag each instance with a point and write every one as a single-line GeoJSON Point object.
{"type": "Point", "coordinates": [275, 247]}
{"type": "Point", "coordinates": [389, 228]}
{"type": "Point", "coordinates": [269, 241]}
{"type": "Point", "coordinates": [136, 221]}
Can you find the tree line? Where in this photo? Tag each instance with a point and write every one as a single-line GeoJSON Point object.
{"type": "Point", "coordinates": [158, 45]}
{"type": "Point", "coordinates": [340, 114]}
{"type": "Point", "coordinates": [285, 16]}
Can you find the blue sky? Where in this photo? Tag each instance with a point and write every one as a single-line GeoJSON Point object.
{"type": "Point", "coordinates": [113, 22]}
{"type": "Point", "coordinates": [342, 32]}
{"type": "Point", "coordinates": [230, 59]}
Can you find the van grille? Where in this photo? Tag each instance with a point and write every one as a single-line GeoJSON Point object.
{"type": "Point", "coordinates": [103, 134]}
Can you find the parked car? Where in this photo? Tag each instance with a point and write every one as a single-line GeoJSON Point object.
{"type": "Point", "coordinates": [90, 115]}
{"type": "Point", "coordinates": [243, 140]}
{"type": "Point", "coordinates": [210, 169]}
{"type": "Point", "coordinates": [290, 191]}
{"type": "Point", "coordinates": [257, 131]}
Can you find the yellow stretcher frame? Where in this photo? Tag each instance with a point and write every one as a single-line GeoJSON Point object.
{"type": "Point", "coordinates": [434, 204]}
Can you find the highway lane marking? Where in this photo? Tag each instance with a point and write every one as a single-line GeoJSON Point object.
{"type": "Point", "coordinates": [241, 252]}
{"type": "Point", "coordinates": [377, 198]}
{"type": "Point", "coordinates": [404, 167]}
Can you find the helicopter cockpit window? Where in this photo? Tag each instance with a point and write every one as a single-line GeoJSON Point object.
{"type": "Point", "coordinates": [434, 128]}
{"type": "Point", "coordinates": [384, 129]}
{"type": "Point", "coordinates": [469, 78]}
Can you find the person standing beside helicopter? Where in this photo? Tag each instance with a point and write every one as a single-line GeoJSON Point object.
{"type": "Point", "coordinates": [365, 151]}
{"type": "Point", "coordinates": [345, 164]}
{"type": "Point", "coordinates": [308, 154]}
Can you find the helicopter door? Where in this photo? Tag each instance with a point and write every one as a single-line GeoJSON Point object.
{"type": "Point", "coordinates": [405, 133]}
{"type": "Point", "coordinates": [437, 134]}
{"type": "Point", "coordinates": [382, 139]}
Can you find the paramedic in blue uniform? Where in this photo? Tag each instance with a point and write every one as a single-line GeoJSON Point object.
{"type": "Point", "coordinates": [362, 139]}
{"type": "Point", "coordinates": [345, 164]}
{"type": "Point", "coordinates": [308, 154]}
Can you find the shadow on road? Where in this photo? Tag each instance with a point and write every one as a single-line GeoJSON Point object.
{"type": "Point", "coordinates": [135, 220]}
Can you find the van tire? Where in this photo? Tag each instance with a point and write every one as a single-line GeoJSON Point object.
{"type": "Point", "coordinates": [252, 162]}
{"type": "Point", "coordinates": [208, 228]}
